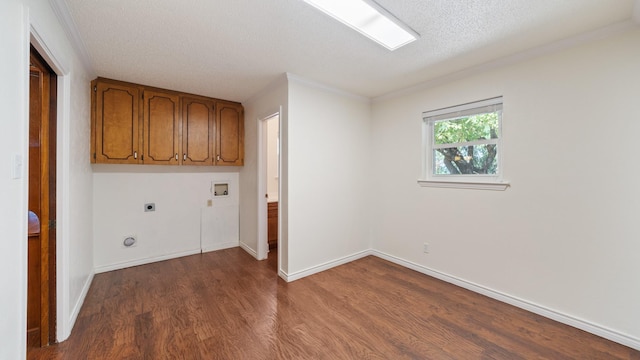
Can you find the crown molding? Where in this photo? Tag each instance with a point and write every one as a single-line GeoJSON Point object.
{"type": "Point", "coordinates": [61, 10]}
{"type": "Point", "coordinates": [300, 80]}
{"type": "Point", "coordinates": [519, 57]}
{"type": "Point", "coordinates": [280, 80]}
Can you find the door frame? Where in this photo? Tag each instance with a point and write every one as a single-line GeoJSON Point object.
{"type": "Point", "coordinates": [52, 56]}
{"type": "Point", "coordinates": [47, 165]}
{"type": "Point", "coordinates": [263, 246]}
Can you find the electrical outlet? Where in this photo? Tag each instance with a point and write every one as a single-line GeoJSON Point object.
{"type": "Point", "coordinates": [425, 248]}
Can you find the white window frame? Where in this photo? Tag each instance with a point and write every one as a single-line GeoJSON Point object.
{"type": "Point", "coordinates": [479, 181]}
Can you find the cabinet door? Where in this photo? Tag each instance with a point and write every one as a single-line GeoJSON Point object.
{"type": "Point", "coordinates": [198, 119]}
{"type": "Point", "coordinates": [161, 128]}
{"type": "Point", "coordinates": [229, 134]}
{"type": "Point", "coordinates": [117, 123]}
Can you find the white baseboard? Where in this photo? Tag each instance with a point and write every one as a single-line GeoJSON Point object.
{"type": "Point", "coordinates": [222, 246]}
{"type": "Point", "coordinates": [78, 305]}
{"type": "Point", "coordinates": [126, 264]}
{"type": "Point", "coordinates": [581, 324]}
{"type": "Point", "coordinates": [523, 304]}
{"type": "Point", "coordinates": [322, 267]}
{"type": "Point", "coordinates": [136, 262]}
{"type": "Point", "coordinates": [283, 275]}
{"type": "Point", "coordinates": [251, 251]}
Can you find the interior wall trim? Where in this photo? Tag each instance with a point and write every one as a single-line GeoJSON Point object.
{"type": "Point", "coordinates": [78, 305]}
{"type": "Point", "coordinates": [519, 57]}
{"type": "Point", "coordinates": [249, 250]}
{"type": "Point", "coordinates": [61, 10]}
{"type": "Point", "coordinates": [313, 84]}
{"type": "Point", "coordinates": [222, 246]}
{"type": "Point", "coordinates": [280, 80]}
{"type": "Point", "coordinates": [289, 277]}
{"type": "Point", "coordinates": [143, 261]}
{"type": "Point", "coordinates": [515, 301]}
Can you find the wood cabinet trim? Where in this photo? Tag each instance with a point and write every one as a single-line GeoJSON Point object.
{"type": "Point", "coordinates": [191, 157]}
{"type": "Point", "coordinates": [131, 150]}
{"type": "Point", "coordinates": [218, 144]}
{"type": "Point", "coordinates": [234, 154]}
{"type": "Point", "coordinates": [151, 138]}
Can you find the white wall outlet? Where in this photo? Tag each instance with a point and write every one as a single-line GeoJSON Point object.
{"type": "Point", "coordinates": [425, 248]}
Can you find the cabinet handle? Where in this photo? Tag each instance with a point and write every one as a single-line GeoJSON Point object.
{"type": "Point", "coordinates": [135, 154]}
{"type": "Point", "coordinates": [184, 156]}
{"type": "Point", "coordinates": [176, 156]}
{"type": "Point", "coordinates": [218, 158]}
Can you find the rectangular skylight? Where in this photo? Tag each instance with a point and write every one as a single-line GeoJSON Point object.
{"type": "Point", "coordinates": [369, 19]}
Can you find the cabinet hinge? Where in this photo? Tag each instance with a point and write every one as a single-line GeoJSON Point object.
{"type": "Point", "coordinates": [52, 224]}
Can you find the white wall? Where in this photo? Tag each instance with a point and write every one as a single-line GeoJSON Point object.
{"type": "Point", "coordinates": [13, 208]}
{"type": "Point", "coordinates": [271, 100]}
{"type": "Point", "coordinates": [17, 19]}
{"type": "Point", "coordinates": [328, 158]}
{"type": "Point", "coordinates": [75, 199]}
{"type": "Point", "coordinates": [182, 223]}
{"type": "Point", "coordinates": [564, 237]}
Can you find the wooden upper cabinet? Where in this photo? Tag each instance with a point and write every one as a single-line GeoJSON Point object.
{"type": "Point", "coordinates": [137, 124]}
{"type": "Point", "coordinates": [229, 134]}
{"type": "Point", "coordinates": [116, 123]}
{"type": "Point", "coordinates": [161, 128]}
{"type": "Point", "coordinates": [198, 120]}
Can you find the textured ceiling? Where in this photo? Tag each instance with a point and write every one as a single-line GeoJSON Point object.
{"type": "Point", "coordinates": [233, 49]}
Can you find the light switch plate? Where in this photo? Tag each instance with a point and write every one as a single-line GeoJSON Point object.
{"type": "Point", "coordinates": [16, 166]}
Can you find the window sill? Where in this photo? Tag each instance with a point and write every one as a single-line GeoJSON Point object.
{"type": "Point", "coordinates": [495, 186]}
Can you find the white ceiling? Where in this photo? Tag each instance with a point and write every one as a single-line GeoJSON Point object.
{"type": "Point", "coordinates": [232, 49]}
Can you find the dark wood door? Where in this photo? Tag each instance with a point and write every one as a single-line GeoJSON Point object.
{"type": "Point", "coordinates": [41, 238]}
{"type": "Point", "coordinates": [229, 134]}
{"type": "Point", "coordinates": [117, 123]}
{"type": "Point", "coordinates": [198, 120]}
{"type": "Point", "coordinates": [272, 224]}
{"type": "Point", "coordinates": [161, 128]}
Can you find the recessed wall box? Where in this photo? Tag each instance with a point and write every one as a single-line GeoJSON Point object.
{"type": "Point", "coordinates": [221, 189]}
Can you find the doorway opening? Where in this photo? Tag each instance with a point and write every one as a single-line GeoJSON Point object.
{"type": "Point", "coordinates": [269, 184]}
{"type": "Point", "coordinates": [272, 177]}
{"type": "Point", "coordinates": [41, 273]}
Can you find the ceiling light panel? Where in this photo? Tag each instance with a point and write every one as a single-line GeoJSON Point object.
{"type": "Point", "coordinates": [369, 19]}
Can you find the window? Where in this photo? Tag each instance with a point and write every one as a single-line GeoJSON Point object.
{"type": "Point", "coordinates": [462, 146]}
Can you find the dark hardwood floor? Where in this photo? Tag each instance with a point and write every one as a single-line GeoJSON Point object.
{"type": "Point", "coordinates": [226, 305]}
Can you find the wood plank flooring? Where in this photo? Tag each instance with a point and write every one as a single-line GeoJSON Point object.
{"type": "Point", "coordinates": [227, 305]}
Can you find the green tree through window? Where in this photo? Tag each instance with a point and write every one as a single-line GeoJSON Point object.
{"type": "Point", "coordinates": [462, 142]}
{"type": "Point", "coordinates": [466, 145]}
